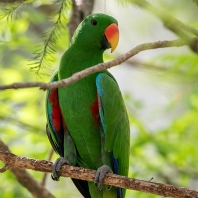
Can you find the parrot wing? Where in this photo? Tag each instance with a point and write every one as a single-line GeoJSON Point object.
{"type": "Point", "coordinates": [114, 120]}
{"type": "Point", "coordinates": [54, 127]}
{"type": "Point", "coordinates": [55, 131]}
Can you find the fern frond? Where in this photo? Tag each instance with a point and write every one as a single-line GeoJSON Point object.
{"type": "Point", "coordinates": [11, 10]}
{"type": "Point", "coordinates": [46, 55]}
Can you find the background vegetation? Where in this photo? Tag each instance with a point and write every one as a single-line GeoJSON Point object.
{"type": "Point", "coordinates": [160, 88]}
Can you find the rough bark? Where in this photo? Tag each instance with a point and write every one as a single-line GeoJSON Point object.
{"type": "Point", "coordinates": [13, 161]}
{"type": "Point", "coordinates": [99, 67]}
{"type": "Point", "coordinates": [79, 12]}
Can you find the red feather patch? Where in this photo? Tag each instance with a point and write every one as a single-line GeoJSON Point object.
{"type": "Point", "coordinates": [95, 111]}
{"type": "Point", "coordinates": [56, 111]}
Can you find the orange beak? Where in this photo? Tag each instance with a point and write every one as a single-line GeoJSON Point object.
{"type": "Point", "coordinates": [112, 35]}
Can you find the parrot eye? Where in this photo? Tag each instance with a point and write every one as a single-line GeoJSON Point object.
{"type": "Point", "coordinates": [94, 22]}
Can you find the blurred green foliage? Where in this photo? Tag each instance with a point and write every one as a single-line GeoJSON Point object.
{"type": "Point", "coordinates": [167, 154]}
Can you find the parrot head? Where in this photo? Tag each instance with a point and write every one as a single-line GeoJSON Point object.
{"type": "Point", "coordinates": [97, 32]}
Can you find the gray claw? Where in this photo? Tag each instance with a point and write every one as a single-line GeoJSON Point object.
{"type": "Point", "coordinates": [54, 177]}
{"type": "Point", "coordinates": [57, 166]}
{"type": "Point", "coordinates": [100, 174]}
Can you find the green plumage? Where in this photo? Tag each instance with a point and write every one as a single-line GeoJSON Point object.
{"type": "Point", "coordinates": [95, 129]}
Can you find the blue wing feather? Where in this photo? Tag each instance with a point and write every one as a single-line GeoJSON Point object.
{"type": "Point", "coordinates": [115, 162]}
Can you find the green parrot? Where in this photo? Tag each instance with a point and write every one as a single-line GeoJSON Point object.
{"type": "Point", "coordinates": [87, 122]}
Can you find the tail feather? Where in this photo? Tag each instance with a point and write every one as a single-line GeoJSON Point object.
{"type": "Point", "coordinates": [82, 186]}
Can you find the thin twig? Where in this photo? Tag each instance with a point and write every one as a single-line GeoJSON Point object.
{"type": "Point", "coordinates": [89, 175]}
{"type": "Point", "coordinates": [99, 67]}
{"type": "Point", "coordinates": [12, 119]}
{"type": "Point", "coordinates": [168, 20]}
{"type": "Point", "coordinates": [146, 65]}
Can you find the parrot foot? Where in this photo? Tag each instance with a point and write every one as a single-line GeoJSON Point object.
{"type": "Point", "coordinates": [100, 174]}
{"type": "Point", "coordinates": [57, 166]}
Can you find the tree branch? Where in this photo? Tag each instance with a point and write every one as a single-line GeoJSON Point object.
{"type": "Point", "coordinates": [13, 161]}
{"type": "Point", "coordinates": [181, 29]}
{"type": "Point", "coordinates": [168, 20]}
{"type": "Point", "coordinates": [79, 12]}
{"type": "Point", "coordinates": [25, 179]}
{"type": "Point", "coordinates": [99, 67]}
